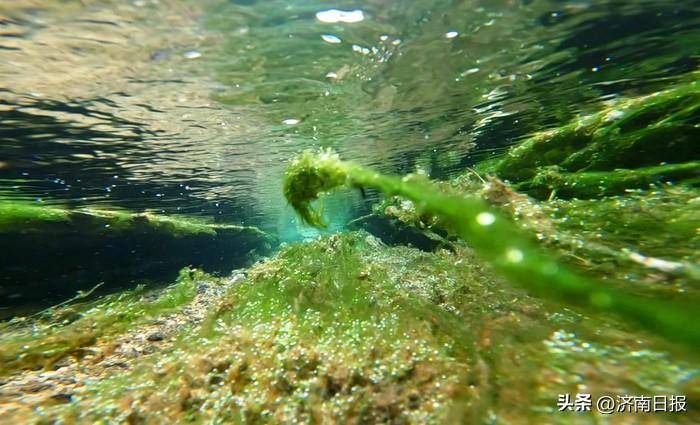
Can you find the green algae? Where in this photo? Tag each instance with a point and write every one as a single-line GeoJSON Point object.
{"type": "Point", "coordinates": [654, 230]}
{"type": "Point", "coordinates": [629, 144]}
{"type": "Point", "coordinates": [619, 189]}
{"type": "Point", "coordinates": [66, 250]}
{"type": "Point", "coordinates": [550, 181]}
{"type": "Point", "coordinates": [309, 176]}
{"type": "Point", "coordinates": [645, 240]}
{"type": "Point", "coordinates": [326, 367]}
{"type": "Point", "coordinates": [344, 329]}
{"type": "Point", "coordinates": [662, 222]}
{"type": "Point", "coordinates": [16, 214]}
{"type": "Point", "coordinates": [313, 334]}
{"type": "Point", "coordinates": [494, 237]}
{"type": "Point", "coordinates": [58, 332]}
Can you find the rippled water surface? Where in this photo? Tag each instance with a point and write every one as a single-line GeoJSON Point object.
{"type": "Point", "coordinates": [193, 108]}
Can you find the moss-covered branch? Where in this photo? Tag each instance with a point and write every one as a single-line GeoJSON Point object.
{"type": "Point", "coordinates": [495, 239]}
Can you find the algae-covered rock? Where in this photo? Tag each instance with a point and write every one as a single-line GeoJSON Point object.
{"type": "Point", "coordinates": [51, 252]}
{"type": "Point", "coordinates": [342, 329]}
{"type": "Point", "coordinates": [395, 232]}
{"type": "Point", "coordinates": [39, 341]}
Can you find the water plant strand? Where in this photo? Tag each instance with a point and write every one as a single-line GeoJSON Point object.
{"type": "Point", "coordinates": [495, 238]}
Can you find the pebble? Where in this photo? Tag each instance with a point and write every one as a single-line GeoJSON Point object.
{"type": "Point", "coordinates": [155, 336]}
{"type": "Point", "coordinates": [62, 397]}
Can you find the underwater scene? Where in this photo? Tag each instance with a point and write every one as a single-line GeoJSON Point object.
{"type": "Point", "coordinates": [349, 212]}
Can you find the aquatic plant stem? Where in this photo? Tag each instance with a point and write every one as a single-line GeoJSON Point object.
{"type": "Point", "coordinates": [594, 184]}
{"type": "Point", "coordinates": [494, 238]}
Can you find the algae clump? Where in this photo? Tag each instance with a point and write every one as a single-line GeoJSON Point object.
{"type": "Point", "coordinates": [307, 177]}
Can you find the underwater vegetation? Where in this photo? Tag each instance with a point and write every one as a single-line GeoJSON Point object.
{"type": "Point", "coordinates": [58, 332]}
{"type": "Point", "coordinates": [629, 144]}
{"type": "Point", "coordinates": [340, 329]}
{"type": "Point", "coordinates": [63, 250]}
{"type": "Point", "coordinates": [520, 293]}
{"type": "Point", "coordinates": [569, 264]}
{"type": "Point", "coordinates": [492, 236]}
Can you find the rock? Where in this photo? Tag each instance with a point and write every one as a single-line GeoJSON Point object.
{"type": "Point", "coordinates": [393, 232]}
{"type": "Point", "coordinates": [62, 397]}
{"type": "Point", "coordinates": [155, 336]}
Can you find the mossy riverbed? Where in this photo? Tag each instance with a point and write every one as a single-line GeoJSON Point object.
{"type": "Point", "coordinates": [343, 329]}
{"type": "Point", "coordinates": [537, 281]}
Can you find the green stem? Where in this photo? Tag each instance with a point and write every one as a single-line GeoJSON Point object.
{"type": "Point", "coordinates": [594, 184]}
{"type": "Point", "coordinates": [495, 238]}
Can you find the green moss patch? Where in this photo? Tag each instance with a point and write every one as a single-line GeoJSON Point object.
{"type": "Point", "coordinates": [345, 329]}
{"type": "Point", "coordinates": [58, 332]}
{"type": "Point", "coordinates": [496, 239]}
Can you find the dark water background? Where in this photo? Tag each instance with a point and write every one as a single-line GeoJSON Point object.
{"type": "Point", "coordinates": [193, 108]}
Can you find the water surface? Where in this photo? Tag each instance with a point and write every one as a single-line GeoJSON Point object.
{"type": "Point", "coordinates": [194, 107]}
